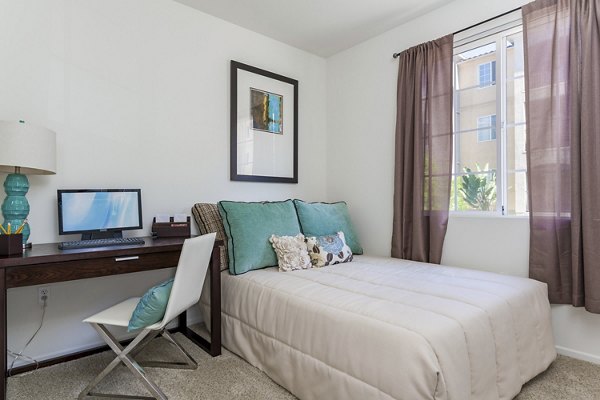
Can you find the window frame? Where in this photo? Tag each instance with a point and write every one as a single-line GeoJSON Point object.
{"type": "Point", "coordinates": [500, 38]}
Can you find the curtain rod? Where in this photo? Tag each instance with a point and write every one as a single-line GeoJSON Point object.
{"type": "Point", "coordinates": [396, 55]}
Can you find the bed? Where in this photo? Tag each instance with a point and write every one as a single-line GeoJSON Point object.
{"type": "Point", "coordinates": [383, 328]}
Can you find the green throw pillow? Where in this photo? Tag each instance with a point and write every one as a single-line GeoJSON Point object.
{"type": "Point", "coordinates": [320, 219]}
{"type": "Point", "coordinates": [151, 307]}
{"type": "Point", "coordinates": [249, 226]}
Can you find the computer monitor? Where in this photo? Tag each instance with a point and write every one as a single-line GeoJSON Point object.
{"type": "Point", "coordinates": [99, 213]}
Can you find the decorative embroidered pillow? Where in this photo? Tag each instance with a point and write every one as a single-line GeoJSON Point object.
{"type": "Point", "coordinates": [291, 252]}
{"type": "Point", "coordinates": [328, 250]}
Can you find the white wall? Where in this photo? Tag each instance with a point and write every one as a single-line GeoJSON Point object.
{"type": "Point", "coordinates": [361, 123]}
{"type": "Point", "coordinates": [138, 93]}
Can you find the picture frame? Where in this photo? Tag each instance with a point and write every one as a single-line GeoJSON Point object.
{"type": "Point", "coordinates": [264, 125]}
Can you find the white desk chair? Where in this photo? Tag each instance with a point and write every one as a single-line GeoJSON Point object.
{"type": "Point", "coordinates": [186, 290]}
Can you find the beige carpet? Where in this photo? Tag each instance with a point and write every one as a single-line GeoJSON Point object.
{"type": "Point", "coordinates": [228, 377]}
{"type": "Point", "coordinates": [566, 379]}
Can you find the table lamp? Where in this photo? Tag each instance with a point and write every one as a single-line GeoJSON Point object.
{"type": "Point", "coordinates": [24, 149]}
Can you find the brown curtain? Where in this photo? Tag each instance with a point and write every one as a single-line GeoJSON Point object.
{"type": "Point", "coordinates": [562, 52]}
{"type": "Point", "coordinates": [423, 151]}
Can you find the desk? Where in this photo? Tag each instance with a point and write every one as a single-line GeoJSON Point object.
{"type": "Point", "coordinates": [44, 263]}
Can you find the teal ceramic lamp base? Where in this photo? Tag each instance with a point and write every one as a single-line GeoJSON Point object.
{"type": "Point", "coordinates": [15, 207]}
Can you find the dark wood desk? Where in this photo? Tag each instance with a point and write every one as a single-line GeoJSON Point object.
{"type": "Point", "coordinates": [44, 263]}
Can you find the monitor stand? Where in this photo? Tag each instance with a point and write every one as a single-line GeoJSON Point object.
{"type": "Point", "coordinates": [102, 235]}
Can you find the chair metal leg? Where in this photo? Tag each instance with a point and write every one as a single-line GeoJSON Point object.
{"type": "Point", "coordinates": [192, 364]}
{"type": "Point", "coordinates": [147, 340]}
{"type": "Point", "coordinates": [189, 362]}
{"type": "Point", "coordinates": [124, 357]}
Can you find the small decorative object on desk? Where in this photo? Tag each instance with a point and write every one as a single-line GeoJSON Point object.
{"type": "Point", "coordinates": [172, 228]}
{"type": "Point", "coordinates": [11, 245]}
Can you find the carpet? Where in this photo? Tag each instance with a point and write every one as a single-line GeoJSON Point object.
{"type": "Point", "coordinates": [566, 379]}
{"type": "Point", "coordinates": [228, 377]}
{"type": "Point", "coordinates": [225, 377]}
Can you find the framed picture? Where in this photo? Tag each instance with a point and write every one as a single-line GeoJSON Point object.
{"type": "Point", "coordinates": [264, 126]}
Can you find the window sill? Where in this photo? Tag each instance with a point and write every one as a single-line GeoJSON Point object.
{"type": "Point", "coordinates": [481, 214]}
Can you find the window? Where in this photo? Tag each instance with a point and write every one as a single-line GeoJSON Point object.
{"type": "Point", "coordinates": [487, 74]}
{"type": "Point", "coordinates": [486, 128]}
{"type": "Point", "coordinates": [489, 168]}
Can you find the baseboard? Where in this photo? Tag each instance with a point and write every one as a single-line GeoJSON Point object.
{"type": "Point", "coordinates": [580, 355]}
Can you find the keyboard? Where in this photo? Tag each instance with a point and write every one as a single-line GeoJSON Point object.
{"type": "Point", "coordinates": [85, 244]}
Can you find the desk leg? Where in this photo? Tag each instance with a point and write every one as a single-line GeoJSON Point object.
{"type": "Point", "coordinates": [3, 333]}
{"type": "Point", "coordinates": [215, 302]}
{"type": "Point", "coordinates": [214, 347]}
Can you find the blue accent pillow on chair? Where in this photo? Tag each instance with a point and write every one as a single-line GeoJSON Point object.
{"type": "Point", "coordinates": [151, 307]}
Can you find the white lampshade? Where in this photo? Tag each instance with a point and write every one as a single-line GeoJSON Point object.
{"type": "Point", "coordinates": [29, 147]}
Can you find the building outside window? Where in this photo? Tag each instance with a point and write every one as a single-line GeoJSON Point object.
{"type": "Point", "coordinates": [486, 128]}
{"type": "Point", "coordinates": [487, 74]}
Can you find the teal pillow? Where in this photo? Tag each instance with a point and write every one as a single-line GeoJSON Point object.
{"type": "Point", "coordinates": [321, 219]}
{"type": "Point", "coordinates": [249, 226]}
{"type": "Point", "coordinates": [151, 307]}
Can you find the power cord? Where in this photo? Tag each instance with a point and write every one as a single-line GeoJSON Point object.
{"type": "Point", "coordinates": [19, 355]}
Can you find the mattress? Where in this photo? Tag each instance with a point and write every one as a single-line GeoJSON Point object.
{"type": "Point", "coordinates": [384, 328]}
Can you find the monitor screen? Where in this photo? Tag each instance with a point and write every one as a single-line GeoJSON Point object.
{"type": "Point", "coordinates": [99, 210]}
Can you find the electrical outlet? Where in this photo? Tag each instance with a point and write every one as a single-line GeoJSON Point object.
{"type": "Point", "coordinates": [43, 294]}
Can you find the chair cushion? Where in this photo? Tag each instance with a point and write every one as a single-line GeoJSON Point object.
{"type": "Point", "coordinates": [209, 220]}
{"type": "Point", "coordinates": [249, 226]}
{"type": "Point", "coordinates": [320, 219]}
{"type": "Point", "coordinates": [151, 307]}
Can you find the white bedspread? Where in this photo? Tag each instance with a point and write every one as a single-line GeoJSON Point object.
{"type": "Point", "coordinates": [382, 328]}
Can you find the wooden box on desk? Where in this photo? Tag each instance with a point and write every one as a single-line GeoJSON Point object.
{"type": "Point", "coordinates": [171, 229]}
{"type": "Point", "coordinates": [11, 245]}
